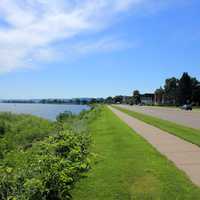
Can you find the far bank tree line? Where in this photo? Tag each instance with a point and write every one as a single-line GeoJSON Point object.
{"type": "Point", "coordinates": [185, 90]}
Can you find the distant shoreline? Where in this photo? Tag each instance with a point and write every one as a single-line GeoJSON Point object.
{"type": "Point", "coordinates": [48, 103]}
{"type": "Point", "coordinates": [41, 103]}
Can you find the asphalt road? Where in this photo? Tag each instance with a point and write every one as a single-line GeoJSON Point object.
{"type": "Point", "coordinates": [186, 118]}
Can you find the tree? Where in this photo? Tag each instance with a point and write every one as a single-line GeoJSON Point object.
{"type": "Point", "coordinates": [136, 97]}
{"type": "Point", "coordinates": [43, 101]}
{"type": "Point", "coordinates": [128, 100]}
{"type": "Point", "coordinates": [185, 89]}
{"type": "Point", "coordinates": [109, 100]}
{"type": "Point", "coordinates": [83, 102]}
{"type": "Point", "coordinates": [196, 96]}
{"type": "Point", "coordinates": [159, 95]}
{"type": "Point", "coordinates": [172, 90]}
{"type": "Point", "coordinates": [77, 101]}
{"type": "Point", "coordinates": [195, 91]}
{"type": "Point", "coordinates": [101, 100]}
{"type": "Point", "coordinates": [118, 99]}
{"type": "Point", "coordinates": [93, 101]}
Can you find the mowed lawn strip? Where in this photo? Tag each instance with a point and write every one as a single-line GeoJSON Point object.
{"type": "Point", "coordinates": [129, 168]}
{"type": "Point", "coordinates": [189, 134]}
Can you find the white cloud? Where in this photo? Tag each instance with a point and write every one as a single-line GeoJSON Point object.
{"type": "Point", "coordinates": [104, 44]}
{"type": "Point", "coordinates": [30, 28]}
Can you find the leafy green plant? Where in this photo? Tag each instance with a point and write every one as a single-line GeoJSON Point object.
{"type": "Point", "coordinates": [50, 166]}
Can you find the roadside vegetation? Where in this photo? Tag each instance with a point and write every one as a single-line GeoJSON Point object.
{"type": "Point", "coordinates": [40, 159]}
{"type": "Point", "coordinates": [189, 134]}
{"type": "Point", "coordinates": [127, 167]}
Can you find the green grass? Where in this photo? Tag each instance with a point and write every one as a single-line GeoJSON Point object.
{"type": "Point", "coordinates": [186, 133]}
{"type": "Point", "coordinates": [128, 168]}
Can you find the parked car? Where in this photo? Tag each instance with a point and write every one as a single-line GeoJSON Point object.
{"type": "Point", "coordinates": [186, 107]}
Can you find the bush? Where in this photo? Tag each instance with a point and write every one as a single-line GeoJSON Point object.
{"type": "Point", "coordinates": [47, 171]}
{"type": "Point", "coordinates": [62, 117]}
{"type": "Point", "coordinates": [49, 168]}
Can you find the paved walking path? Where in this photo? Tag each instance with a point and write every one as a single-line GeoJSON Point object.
{"type": "Point", "coordinates": [186, 156]}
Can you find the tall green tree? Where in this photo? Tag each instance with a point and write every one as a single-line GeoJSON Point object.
{"type": "Point", "coordinates": [109, 100]}
{"type": "Point", "coordinates": [77, 101]}
{"type": "Point", "coordinates": [118, 99]}
{"type": "Point", "coordinates": [195, 91]}
{"type": "Point", "coordinates": [185, 89]}
{"type": "Point", "coordinates": [159, 95]}
{"type": "Point", "coordinates": [100, 100]}
{"type": "Point", "coordinates": [171, 90]}
{"type": "Point", "coordinates": [129, 100]}
{"type": "Point", "coordinates": [93, 101]}
{"type": "Point", "coordinates": [136, 97]}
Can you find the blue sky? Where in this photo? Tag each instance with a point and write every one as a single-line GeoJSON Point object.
{"type": "Point", "coordinates": [74, 48]}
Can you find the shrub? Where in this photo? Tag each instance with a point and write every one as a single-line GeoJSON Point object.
{"type": "Point", "coordinates": [48, 171]}
{"type": "Point", "coordinates": [62, 117]}
{"type": "Point", "coordinates": [48, 168]}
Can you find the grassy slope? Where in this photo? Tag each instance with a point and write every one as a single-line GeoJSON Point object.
{"type": "Point", "coordinates": [129, 168]}
{"type": "Point", "coordinates": [186, 133]}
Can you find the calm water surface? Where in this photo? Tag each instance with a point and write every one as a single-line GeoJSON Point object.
{"type": "Point", "coordinates": [48, 111]}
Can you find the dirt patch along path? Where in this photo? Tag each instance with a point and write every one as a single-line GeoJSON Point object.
{"type": "Point", "coordinates": [184, 155]}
